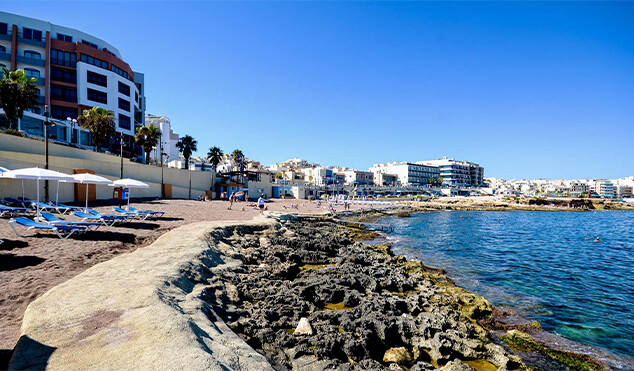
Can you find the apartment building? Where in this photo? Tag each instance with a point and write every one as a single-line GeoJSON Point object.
{"type": "Point", "coordinates": [605, 188]}
{"type": "Point", "coordinates": [407, 173]}
{"type": "Point", "coordinates": [74, 71]}
{"type": "Point", "coordinates": [458, 173]}
{"type": "Point", "coordinates": [168, 137]}
{"type": "Point", "coordinates": [356, 177]}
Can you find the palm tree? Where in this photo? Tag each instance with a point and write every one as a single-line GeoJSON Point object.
{"type": "Point", "coordinates": [187, 145]}
{"type": "Point", "coordinates": [238, 158]}
{"type": "Point", "coordinates": [215, 156]}
{"type": "Point", "coordinates": [17, 94]}
{"type": "Point", "coordinates": [147, 137]}
{"type": "Point", "coordinates": [439, 180]}
{"type": "Point", "coordinates": [100, 122]}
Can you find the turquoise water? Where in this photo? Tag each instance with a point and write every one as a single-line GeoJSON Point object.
{"type": "Point", "coordinates": [544, 265]}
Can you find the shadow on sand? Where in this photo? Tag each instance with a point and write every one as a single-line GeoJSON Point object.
{"type": "Point", "coordinates": [9, 262]}
{"type": "Point", "coordinates": [12, 244]}
{"type": "Point", "coordinates": [100, 235]}
{"type": "Point", "coordinates": [33, 355]}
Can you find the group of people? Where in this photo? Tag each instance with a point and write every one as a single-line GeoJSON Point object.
{"type": "Point", "coordinates": [260, 203]}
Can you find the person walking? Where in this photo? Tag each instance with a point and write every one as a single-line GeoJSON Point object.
{"type": "Point", "coordinates": [261, 204]}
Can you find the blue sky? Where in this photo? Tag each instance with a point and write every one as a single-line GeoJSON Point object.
{"type": "Point", "coordinates": [527, 89]}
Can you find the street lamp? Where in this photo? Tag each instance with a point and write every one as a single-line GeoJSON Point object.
{"type": "Point", "coordinates": [162, 182]}
{"type": "Point", "coordinates": [73, 122]}
{"type": "Point", "coordinates": [121, 143]}
{"type": "Point", "coordinates": [190, 179]}
{"type": "Point", "coordinates": [46, 124]}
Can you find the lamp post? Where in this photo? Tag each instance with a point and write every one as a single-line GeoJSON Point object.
{"type": "Point", "coordinates": [162, 183]}
{"type": "Point", "coordinates": [46, 124]}
{"type": "Point", "coordinates": [73, 122]}
{"type": "Point", "coordinates": [190, 179]}
{"type": "Point", "coordinates": [121, 143]}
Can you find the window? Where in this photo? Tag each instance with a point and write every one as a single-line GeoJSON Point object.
{"type": "Point", "coordinates": [94, 61]}
{"type": "Point", "coordinates": [95, 78]}
{"type": "Point", "coordinates": [61, 36]}
{"type": "Point", "coordinates": [31, 72]}
{"type": "Point", "coordinates": [38, 91]}
{"type": "Point", "coordinates": [63, 58]}
{"type": "Point", "coordinates": [58, 112]}
{"type": "Point", "coordinates": [32, 54]}
{"type": "Point", "coordinates": [97, 96]}
{"type": "Point", "coordinates": [118, 71]}
{"type": "Point", "coordinates": [63, 75]}
{"type": "Point", "coordinates": [136, 97]}
{"type": "Point", "coordinates": [65, 93]}
{"type": "Point", "coordinates": [124, 104]}
{"type": "Point", "coordinates": [124, 122]}
{"type": "Point", "coordinates": [4, 28]}
{"type": "Point", "coordinates": [124, 89]}
{"type": "Point", "coordinates": [29, 33]}
{"type": "Point", "coordinates": [3, 49]}
{"type": "Point", "coordinates": [85, 42]}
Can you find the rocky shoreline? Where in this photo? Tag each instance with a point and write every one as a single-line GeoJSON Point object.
{"type": "Point", "coordinates": [367, 308]}
{"type": "Point", "coordinates": [231, 296]}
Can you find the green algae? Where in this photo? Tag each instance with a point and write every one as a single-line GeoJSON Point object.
{"type": "Point", "coordinates": [481, 365]}
{"type": "Point", "coordinates": [335, 306]}
{"type": "Point", "coordinates": [522, 342]}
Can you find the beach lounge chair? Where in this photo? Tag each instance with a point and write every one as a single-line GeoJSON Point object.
{"type": "Point", "coordinates": [120, 218]}
{"type": "Point", "coordinates": [54, 203]}
{"type": "Point", "coordinates": [155, 214]}
{"type": "Point", "coordinates": [86, 216]}
{"type": "Point", "coordinates": [11, 211]}
{"type": "Point", "coordinates": [53, 220]}
{"type": "Point", "coordinates": [43, 206]}
{"type": "Point", "coordinates": [61, 230]}
{"type": "Point", "coordinates": [132, 214]}
{"type": "Point", "coordinates": [13, 201]}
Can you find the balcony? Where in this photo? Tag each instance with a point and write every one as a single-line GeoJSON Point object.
{"type": "Point", "coordinates": [5, 56]}
{"type": "Point", "coordinates": [41, 44]}
{"type": "Point", "coordinates": [31, 61]}
{"type": "Point", "coordinates": [6, 36]}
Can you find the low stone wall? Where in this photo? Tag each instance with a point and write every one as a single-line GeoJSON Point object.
{"type": "Point", "coordinates": [141, 311]}
{"type": "Point", "coordinates": [17, 152]}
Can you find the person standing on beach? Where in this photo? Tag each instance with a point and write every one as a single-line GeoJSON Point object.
{"type": "Point", "coordinates": [261, 204]}
{"type": "Point", "coordinates": [231, 199]}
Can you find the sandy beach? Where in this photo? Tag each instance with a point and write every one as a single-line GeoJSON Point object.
{"type": "Point", "coordinates": [31, 266]}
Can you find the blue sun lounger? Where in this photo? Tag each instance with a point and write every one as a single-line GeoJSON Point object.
{"type": "Point", "coordinates": [86, 216]}
{"type": "Point", "coordinates": [11, 211]}
{"type": "Point", "coordinates": [131, 214]}
{"type": "Point", "coordinates": [65, 206]}
{"type": "Point", "coordinates": [155, 214]}
{"type": "Point", "coordinates": [43, 206]}
{"type": "Point", "coordinates": [53, 220]}
{"type": "Point", "coordinates": [61, 231]}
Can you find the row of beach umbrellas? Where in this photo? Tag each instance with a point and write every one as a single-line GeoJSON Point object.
{"type": "Point", "coordinates": [37, 174]}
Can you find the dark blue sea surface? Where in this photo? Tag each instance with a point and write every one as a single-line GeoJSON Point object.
{"type": "Point", "coordinates": [544, 265]}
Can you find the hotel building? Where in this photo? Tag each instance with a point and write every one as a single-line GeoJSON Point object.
{"type": "Point", "coordinates": [74, 71]}
{"type": "Point", "coordinates": [168, 137]}
{"type": "Point", "coordinates": [407, 173]}
{"type": "Point", "coordinates": [458, 173]}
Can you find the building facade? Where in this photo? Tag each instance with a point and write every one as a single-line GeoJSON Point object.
{"type": "Point", "coordinates": [605, 188]}
{"type": "Point", "coordinates": [458, 173]}
{"type": "Point", "coordinates": [168, 137]}
{"type": "Point", "coordinates": [74, 71]}
{"type": "Point", "coordinates": [407, 173]}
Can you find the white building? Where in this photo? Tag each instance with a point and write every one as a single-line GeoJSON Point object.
{"type": "Point", "coordinates": [168, 137]}
{"type": "Point", "coordinates": [407, 173]}
{"type": "Point", "coordinates": [605, 188]}
{"type": "Point", "coordinates": [458, 173]}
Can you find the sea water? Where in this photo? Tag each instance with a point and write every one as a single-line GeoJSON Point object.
{"type": "Point", "coordinates": [545, 265]}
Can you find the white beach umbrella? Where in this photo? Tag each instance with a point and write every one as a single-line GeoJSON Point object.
{"type": "Point", "coordinates": [4, 170]}
{"type": "Point", "coordinates": [35, 173]}
{"type": "Point", "coordinates": [129, 183]}
{"type": "Point", "coordinates": [87, 178]}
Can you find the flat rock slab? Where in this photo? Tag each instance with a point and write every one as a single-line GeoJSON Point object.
{"type": "Point", "coordinates": [139, 311]}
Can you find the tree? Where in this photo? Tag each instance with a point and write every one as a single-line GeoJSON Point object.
{"type": "Point", "coordinates": [17, 94]}
{"type": "Point", "coordinates": [439, 180]}
{"type": "Point", "coordinates": [100, 122]}
{"type": "Point", "coordinates": [214, 156]}
{"type": "Point", "coordinates": [238, 158]}
{"type": "Point", "coordinates": [431, 180]}
{"type": "Point", "coordinates": [187, 145]}
{"type": "Point", "coordinates": [147, 137]}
